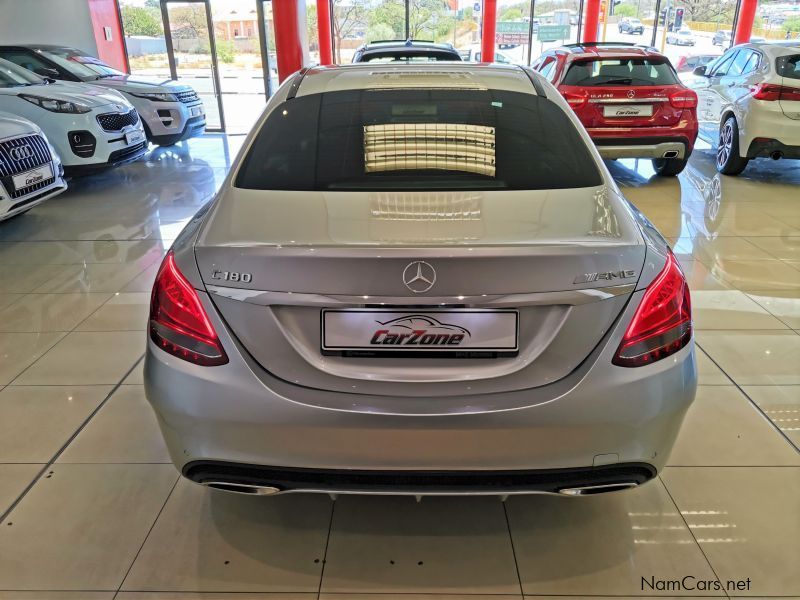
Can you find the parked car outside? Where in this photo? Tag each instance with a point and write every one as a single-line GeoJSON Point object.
{"type": "Point", "coordinates": [473, 54]}
{"type": "Point", "coordinates": [682, 37]}
{"type": "Point", "coordinates": [630, 100]}
{"type": "Point", "coordinates": [722, 38]}
{"type": "Point", "coordinates": [407, 51]}
{"type": "Point", "coordinates": [631, 25]}
{"type": "Point", "coordinates": [749, 103]}
{"type": "Point", "coordinates": [30, 169]}
{"type": "Point", "coordinates": [170, 111]}
{"type": "Point", "coordinates": [448, 295]}
{"type": "Point", "coordinates": [90, 127]}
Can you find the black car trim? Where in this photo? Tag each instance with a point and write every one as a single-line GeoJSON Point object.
{"type": "Point", "coordinates": [296, 81]}
{"type": "Point", "coordinates": [452, 481]}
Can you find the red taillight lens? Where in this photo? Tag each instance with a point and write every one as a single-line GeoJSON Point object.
{"type": "Point", "coordinates": [662, 324]}
{"type": "Point", "coordinates": [772, 92]}
{"type": "Point", "coordinates": [683, 99]}
{"type": "Point", "coordinates": [178, 322]}
{"type": "Point", "coordinates": [576, 99]}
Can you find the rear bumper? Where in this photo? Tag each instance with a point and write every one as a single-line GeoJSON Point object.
{"type": "Point", "coordinates": [764, 148]}
{"type": "Point", "coordinates": [238, 414]}
{"type": "Point", "coordinates": [256, 479]}
{"type": "Point", "coordinates": [676, 145]}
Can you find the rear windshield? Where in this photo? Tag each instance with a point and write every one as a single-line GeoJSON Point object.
{"type": "Point", "coordinates": [788, 66]}
{"type": "Point", "coordinates": [620, 71]}
{"type": "Point", "coordinates": [408, 56]}
{"type": "Point", "coordinates": [418, 139]}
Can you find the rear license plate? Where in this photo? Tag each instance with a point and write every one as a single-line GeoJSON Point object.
{"type": "Point", "coordinates": [32, 177]}
{"type": "Point", "coordinates": [447, 332]}
{"type": "Point", "coordinates": [134, 137]}
{"type": "Point", "coordinates": [628, 110]}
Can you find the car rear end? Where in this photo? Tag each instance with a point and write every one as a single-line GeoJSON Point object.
{"type": "Point", "coordinates": [401, 289]}
{"type": "Point", "coordinates": [30, 170]}
{"type": "Point", "coordinates": [772, 116]}
{"type": "Point", "coordinates": [631, 103]}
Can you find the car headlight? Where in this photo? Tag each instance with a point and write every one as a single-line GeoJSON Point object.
{"type": "Point", "coordinates": [58, 106]}
{"type": "Point", "coordinates": [157, 96]}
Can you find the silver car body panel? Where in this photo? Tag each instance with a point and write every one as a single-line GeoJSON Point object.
{"type": "Point", "coordinates": [280, 402]}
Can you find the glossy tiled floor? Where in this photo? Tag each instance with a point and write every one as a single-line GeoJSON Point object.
{"type": "Point", "coordinates": [90, 507]}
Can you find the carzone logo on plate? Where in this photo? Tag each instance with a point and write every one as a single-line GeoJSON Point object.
{"type": "Point", "coordinates": [418, 330]}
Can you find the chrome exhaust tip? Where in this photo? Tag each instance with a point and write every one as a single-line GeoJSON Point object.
{"type": "Point", "coordinates": [243, 488]}
{"type": "Point", "coordinates": [590, 490]}
{"type": "Point", "coordinates": [671, 154]}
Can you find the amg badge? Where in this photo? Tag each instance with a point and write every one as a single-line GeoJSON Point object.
{"type": "Point", "coordinates": [607, 276]}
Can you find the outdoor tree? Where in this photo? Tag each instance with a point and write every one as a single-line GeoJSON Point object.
{"type": "Point", "coordinates": [792, 25]}
{"type": "Point", "coordinates": [141, 20]}
{"type": "Point", "coordinates": [511, 14]}
{"type": "Point", "coordinates": [625, 10]}
{"type": "Point", "coordinates": [349, 16]}
{"type": "Point", "coordinates": [188, 22]}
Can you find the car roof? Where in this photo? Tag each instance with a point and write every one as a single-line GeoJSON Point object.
{"type": "Point", "coordinates": [41, 46]}
{"type": "Point", "coordinates": [774, 48]}
{"type": "Point", "coordinates": [404, 45]}
{"type": "Point", "coordinates": [608, 50]}
{"type": "Point", "coordinates": [450, 75]}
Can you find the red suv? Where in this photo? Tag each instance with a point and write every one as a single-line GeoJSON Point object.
{"type": "Point", "coordinates": [630, 100]}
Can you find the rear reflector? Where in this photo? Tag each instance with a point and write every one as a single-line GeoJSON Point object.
{"type": "Point", "coordinates": [178, 323]}
{"type": "Point", "coordinates": [683, 99]}
{"type": "Point", "coordinates": [576, 99]}
{"type": "Point", "coordinates": [772, 92]}
{"type": "Point", "coordinates": [662, 324]}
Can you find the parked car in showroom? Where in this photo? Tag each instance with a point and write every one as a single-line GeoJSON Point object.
{"type": "Point", "coordinates": [689, 62]}
{"type": "Point", "coordinates": [170, 111]}
{"type": "Point", "coordinates": [30, 169]}
{"type": "Point", "coordinates": [405, 51]}
{"type": "Point", "coordinates": [631, 26]}
{"type": "Point", "coordinates": [419, 280]}
{"type": "Point", "coordinates": [749, 103]}
{"type": "Point", "coordinates": [722, 38]}
{"type": "Point", "coordinates": [90, 127]}
{"type": "Point", "coordinates": [682, 37]}
{"type": "Point", "coordinates": [630, 100]}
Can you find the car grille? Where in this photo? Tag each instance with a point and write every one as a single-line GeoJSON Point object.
{"type": "Point", "coordinates": [188, 97]}
{"type": "Point", "coordinates": [36, 153]}
{"type": "Point", "coordinates": [117, 121]}
{"type": "Point", "coordinates": [126, 153]}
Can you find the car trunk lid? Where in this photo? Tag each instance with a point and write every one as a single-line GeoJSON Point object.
{"type": "Point", "coordinates": [553, 268]}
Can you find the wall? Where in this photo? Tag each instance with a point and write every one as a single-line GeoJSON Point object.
{"type": "Point", "coordinates": [66, 22]}
{"type": "Point", "coordinates": [104, 14]}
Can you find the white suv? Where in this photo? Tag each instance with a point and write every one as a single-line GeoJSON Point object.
{"type": "Point", "coordinates": [90, 127]}
{"type": "Point", "coordinates": [30, 169]}
{"type": "Point", "coordinates": [749, 102]}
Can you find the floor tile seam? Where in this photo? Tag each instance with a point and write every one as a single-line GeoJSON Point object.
{"type": "Point", "coordinates": [66, 444]}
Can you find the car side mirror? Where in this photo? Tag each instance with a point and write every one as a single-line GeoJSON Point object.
{"type": "Point", "coordinates": [46, 72]}
{"type": "Point", "coordinates": [700, 71]}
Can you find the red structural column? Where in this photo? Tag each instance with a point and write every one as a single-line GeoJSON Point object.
{"type": "Point", "coordinates": [488, 30]}
{"type": "Point", "coordinates": [324, 27]}
{"type": "Point", "coordinates": [744, 25]}
{"type": "Point", "coordinates": [290, 33]}
{"type": "Point", "coordinates": [591, 20]}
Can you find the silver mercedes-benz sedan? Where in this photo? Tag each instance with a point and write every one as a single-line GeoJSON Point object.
{"type": "Point", "coordinates": [420, 280]}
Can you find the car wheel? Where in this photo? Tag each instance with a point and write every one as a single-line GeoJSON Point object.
{"type": "Point", "coordinates": [728, 160]}
{"type": "Point", "coordinates": [668, 167]}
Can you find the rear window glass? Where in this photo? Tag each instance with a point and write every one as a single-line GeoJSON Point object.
{"type": "Point", "coordinates": [418, 139]}
{"type": "Point", "coordinates": [788, 66]}
{"type": "Point", "coordinates": [620, 71]}
{"type": "Point", "coordinates": [414, 57]}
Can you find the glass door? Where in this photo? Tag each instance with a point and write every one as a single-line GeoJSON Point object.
{"type": "Point", "coordinates": [192, 53]}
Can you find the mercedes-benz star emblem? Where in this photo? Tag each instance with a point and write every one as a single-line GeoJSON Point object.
{"type": "Point", "coordinates": [631, 94]}
{"type": "Point", "coordinates": [419, 276]}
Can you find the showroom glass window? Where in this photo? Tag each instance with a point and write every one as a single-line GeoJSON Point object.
{"type": "Point", "coordinates": [426, 139]}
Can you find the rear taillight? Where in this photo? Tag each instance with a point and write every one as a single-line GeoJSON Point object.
{"type": "Point", "coordinates": [178, 323]}
{"type": "Point", "coordinates": [662, 324]}
{"type": "Point", "coordinates": [576, 99]}
{"type": "Point", "coordinates": [772, 92]}
{"type": "Point", "coordinates": [683, 99]}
